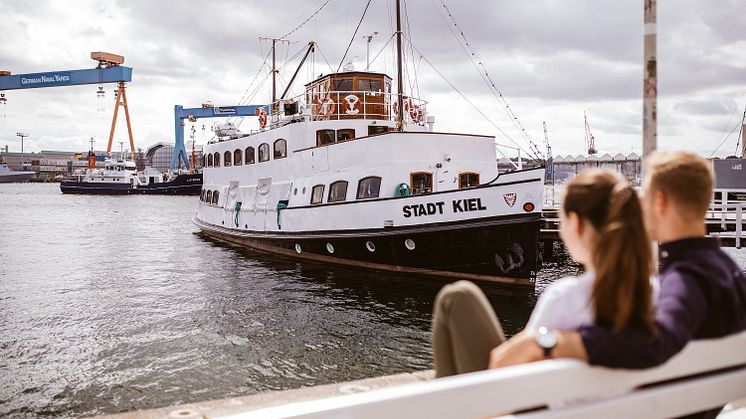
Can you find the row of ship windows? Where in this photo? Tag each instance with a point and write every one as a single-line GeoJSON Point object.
{"type": "Point", "coordinates": [367, 187]}
{"type": "Point", "coordinates": [238, 157]}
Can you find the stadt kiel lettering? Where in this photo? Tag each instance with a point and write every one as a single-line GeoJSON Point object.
{"type": "Point", "coordinates": [432, 208]}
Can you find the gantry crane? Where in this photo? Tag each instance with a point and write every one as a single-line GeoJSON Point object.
{"type": "Point", "coordinates": [109, 70]}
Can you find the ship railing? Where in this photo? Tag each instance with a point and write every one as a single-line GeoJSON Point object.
{"type": "Point", "coordinates": [724, 217]}
{"type": "Point", "coordinates": [343, 105]}
{"type": "Point", "coordinates": [706, 374]}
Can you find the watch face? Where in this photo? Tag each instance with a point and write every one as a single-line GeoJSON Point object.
{"type": "Point", "coordinates": [546, 339]}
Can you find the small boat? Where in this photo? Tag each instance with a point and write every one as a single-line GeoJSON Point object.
{"type": "Point", "coordinates": [10, 176]}
{"type": "Point", "coordinates": [120, 177]}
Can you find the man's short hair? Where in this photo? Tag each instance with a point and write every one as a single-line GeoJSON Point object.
{"type": "Point", "coordinates": [684, 177]}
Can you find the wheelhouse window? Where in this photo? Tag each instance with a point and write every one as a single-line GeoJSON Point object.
{"type": "Point", "coordinates": [337, 191]}
{"type": "Point", "coordinates": [250, 155]}
{"type": "Point", "coordinates": [215, 197]}
{"type": "Point", "coordinates": [217, 159]}
{"type": "Point", "coordinates": [324, 137]}
{"type": "Point", "coordinates": [368, 187]}
{"type": "Point", "coordinates": [263, 152]}
{"type": "Point", "coordinates": [369, 85]}
{"type": "Point", "coordinates": [345, 134]}
{"type": "Point", "coordinates": [281, 149]}
{"type": "Point", "coordinates": [317, 194]}
{"type": "Point", "coordinates": [422, 183]}
{"type": "Point", "coordinates": [209, 160]}
{"type": "Point", "coordinates": [209, 197]}
{"type": "Point", "coordinates": [227, 159]}
{"type": "Point", "coordinates": [468, 180]}
{"type": "Point", "coordinates": [343, 85]}
{"type": "Point", "coordinates": [237, 157]}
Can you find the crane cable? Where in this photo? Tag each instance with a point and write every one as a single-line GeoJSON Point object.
{"type": "Point", "coordinates": [466, 46]}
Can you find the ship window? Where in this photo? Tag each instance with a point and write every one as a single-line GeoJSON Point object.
{"type": "Point", "coordinates": [281, 149]}
{"type": "Point", "coordinates": [215, 197]}
{"type": "Point", "coordinates": [249, 155]}
{"type": "Point", "coordinates": [377, 129]}
{"type": "Point", "coordinates": [317, 194]}
{"type": "Point", "coordinates": [467, 180]}
{"type": "Point", "coordinates": [343, 85]}
{"type": "Point", "coordinates": [369, 85]}
{"type": "Point", "coordinates": [368, 187]}
{"type": "Point", "coordinates": [209, 160]}
{"type": "Point", "coordinates": [227, 159]}
{"type": "Point", "coordinates": [217, 159]}
{"type": "Point", "coordinates": [263, 152]}
{"type": "Point", "coordinates": [345, 134]}
{"type": "Point", "coordinates": [209, 197]}
{"type": "Point", "coordinates": [237, 157]}
{"type": "Point", "coordinates": [337, 191]}
{"type": "Point", "coordinates": [422, 183]}
{"type": "Point", "coordinates": [324, 137]}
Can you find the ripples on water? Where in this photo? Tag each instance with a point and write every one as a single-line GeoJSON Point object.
{"type": "Point", "coordinates": [109, 304]}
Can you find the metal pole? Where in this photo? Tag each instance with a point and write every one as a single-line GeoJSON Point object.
{"type": "Point", "coordinates": [274, 73]}
{"type": "Point", "coordinates": [399, 70]}
{"type": "Point", "coordinates": [650, 83]}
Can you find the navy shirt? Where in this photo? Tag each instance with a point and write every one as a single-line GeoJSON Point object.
{"type": "Point", "coordinates": [702, 295]}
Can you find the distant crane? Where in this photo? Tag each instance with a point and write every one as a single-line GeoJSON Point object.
{"type": "Point", "coordinates": [549, 173]}
{"type": "Point", "coordinates": [590, 141]}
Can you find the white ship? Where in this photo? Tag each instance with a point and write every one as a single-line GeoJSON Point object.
{"type": "Point", "coordinates": [339, 175]}
{"type": "Point", "coordinates": [9, 176]}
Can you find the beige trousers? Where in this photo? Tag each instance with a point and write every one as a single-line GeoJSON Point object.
{"type": "Point", "coordinates": [464, 331]}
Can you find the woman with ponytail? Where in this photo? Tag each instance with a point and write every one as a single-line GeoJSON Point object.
{"type": "Point", "coordinates": [603, 229]}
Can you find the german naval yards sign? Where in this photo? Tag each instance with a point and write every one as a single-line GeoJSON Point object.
{"type": "Point", "coordinates": [46, 79]}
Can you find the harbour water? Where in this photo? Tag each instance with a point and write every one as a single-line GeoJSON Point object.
{"type": "Point", "coordinates": [109, 304]}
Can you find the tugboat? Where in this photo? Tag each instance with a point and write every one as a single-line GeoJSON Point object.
{"type": "Point", "coordinates": [120, 177]}
{"type": "Point", "coordinates": [352, 174]}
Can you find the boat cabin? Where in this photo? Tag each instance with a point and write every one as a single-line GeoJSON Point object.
{"type": "Point", "coordinates": [350, 95]}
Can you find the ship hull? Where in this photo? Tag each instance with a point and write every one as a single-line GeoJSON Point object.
{"type": "Point", "coordinates": [16, 177]}
{"type": "Point", "coordinates": [497, 249]}
{"type": "Point", "coordinates": [187, 184]}
{"type": "Point", "coordinates": [98, 188]}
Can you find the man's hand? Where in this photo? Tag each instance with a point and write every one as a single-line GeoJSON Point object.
{"type": "Point", "coordinates": [522, 348]}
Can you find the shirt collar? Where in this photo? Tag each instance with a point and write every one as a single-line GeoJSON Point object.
{"type": "Point", "coordinates": [677, 248]}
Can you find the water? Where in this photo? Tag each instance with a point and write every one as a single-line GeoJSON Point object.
{"type": "Point", "coordinates": [109, 304]}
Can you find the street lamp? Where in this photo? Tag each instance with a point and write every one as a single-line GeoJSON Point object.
{"type": "Point", "coordinates": [22, 135]}
{"type": "Point", "coordinates": [367, 54]}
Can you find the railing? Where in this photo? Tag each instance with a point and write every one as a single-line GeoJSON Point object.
{"type": "Point", "coordinates": [724, 218]}
{"type": "Point", "coordinates": [705, 375]}
{"type": "Point", "coordinates": [357, 104]}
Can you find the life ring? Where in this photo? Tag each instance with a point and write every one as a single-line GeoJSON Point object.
{"type": "Point", "coordinates": [396, 109]}
{"type": "Point", "coordinates": [262, 118]}
{"type": "Point", "coordinates": [353, 105]}
{"type": "Point", "coordinates": [328, 107]}
{"type": "Point", "coordinates": [412, 109]}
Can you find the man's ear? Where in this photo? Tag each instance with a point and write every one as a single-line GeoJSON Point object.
{"type": "Point", "coordinates": [661, 203]}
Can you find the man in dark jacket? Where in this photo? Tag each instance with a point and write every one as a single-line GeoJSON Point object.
{"type": "Point", "coordinates": [702, 290]}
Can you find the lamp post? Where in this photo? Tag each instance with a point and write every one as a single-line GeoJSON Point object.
{"type": "Point", "coordinates": [22, 135]}
{"type": "Point", "coordinates": [367, 54]}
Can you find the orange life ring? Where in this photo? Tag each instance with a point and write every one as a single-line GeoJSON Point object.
{"type": "Point", "coordinates": [411, 109]}
{"type": "Point", "coordinates": [328, 107]}
{"type": "Point", "coordinates": [353, 104]}
{"type": "Point", "coordinates": [262, 117]}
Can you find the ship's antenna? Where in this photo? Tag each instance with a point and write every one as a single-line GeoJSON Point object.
{"type": "Point", "coordinates": [399, 72]}
{"type": "Point", "coordinates": [274, 65]}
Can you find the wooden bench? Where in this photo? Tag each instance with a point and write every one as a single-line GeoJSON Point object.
{"type": "Point", "coordinates": [706, 374]}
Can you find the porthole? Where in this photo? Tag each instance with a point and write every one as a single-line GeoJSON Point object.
{"type": "Point", "coordinates": [329, 248]}
{"type": "Point", "coordinates": [298, 250]}
{"type": "Point", "coordinates": [304, 190]}
{"type": "Point", "coordinates": [409, 244]}
{"type": "Point", "coordinates": [295, 191]}
{"type": "Point", "coordinates": [370, 246]}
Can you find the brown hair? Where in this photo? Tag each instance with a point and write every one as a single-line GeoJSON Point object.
{"type": "Point", "coordinates": [622, 253]}
{"type": "Point", "coordinates": [684, 177]}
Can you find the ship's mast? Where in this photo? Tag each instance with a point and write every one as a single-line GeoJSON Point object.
{"type": "Point", "coordinates": [399, 75]}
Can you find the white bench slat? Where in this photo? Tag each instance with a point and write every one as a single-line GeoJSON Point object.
{"type": "Point", "coordinates": [548, 382]}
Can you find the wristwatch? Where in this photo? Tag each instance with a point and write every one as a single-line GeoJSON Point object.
{"type": "Point", "coordinates": [546, 340]}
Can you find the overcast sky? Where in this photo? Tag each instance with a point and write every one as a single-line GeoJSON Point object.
{"type": "Point", "coordinates": [551, 59]}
